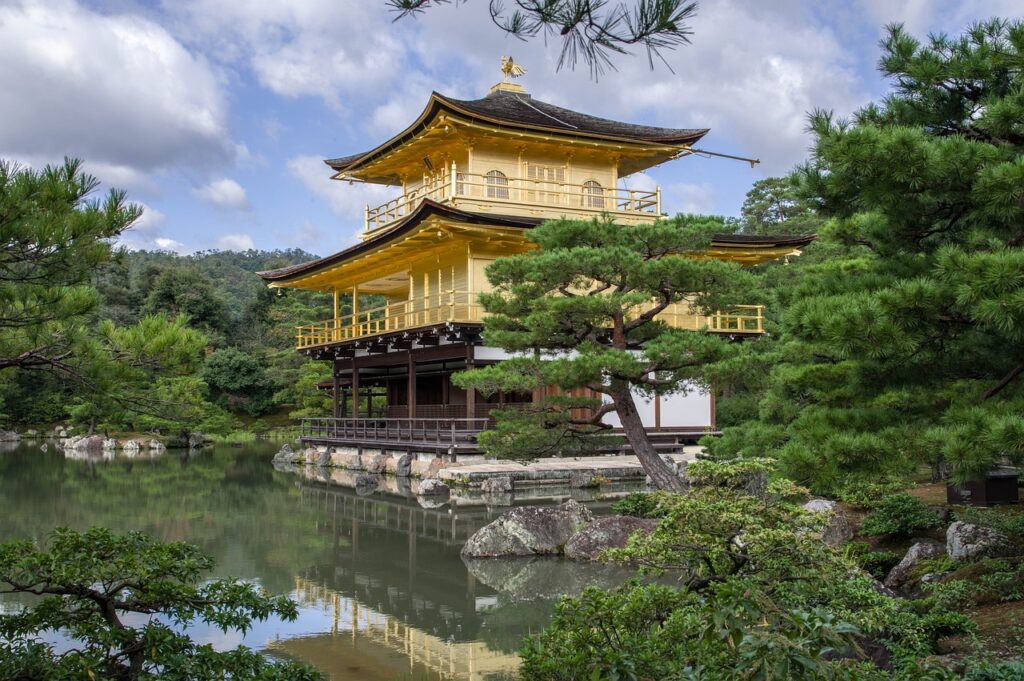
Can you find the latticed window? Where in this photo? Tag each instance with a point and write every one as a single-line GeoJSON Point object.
{"type": "Point", "coordinates": [593, 194]}
{"type": "Point", "coordinates": [460, 183]}
{"type": "Point", "coordinates": [497, 185]}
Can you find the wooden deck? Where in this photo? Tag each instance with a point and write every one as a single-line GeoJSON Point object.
{"type": "Point", "coordinates": [443, 435]}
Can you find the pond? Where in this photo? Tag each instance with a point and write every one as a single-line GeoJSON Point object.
{"type": "Point", "coordinates": [383, 593]}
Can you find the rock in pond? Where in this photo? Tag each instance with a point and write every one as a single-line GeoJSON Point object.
{"type": "Point", "coordinates": [837, 530]}
{"type": "Point", "coordinates": [432, 487]}
{"type": "Point", "coordinates": [496, 485]}
{"type": "Point", "coordinates": [925, 549]}
{"type": "Point", "coordinates": [609, 532]}
{"type": "Point", "coordinates": [9, 436]}
{"type": "Point", "coordinates": [403, 466]}
{"type": "Point", "coordinates": [286, 454]}
{"type": "Point", "coordinates": [965, 541]}
{"type": "Point", "coordinates": [528, 531]}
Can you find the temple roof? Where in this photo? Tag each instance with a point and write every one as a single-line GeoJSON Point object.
{"type": "Point", "coordinates": [719, 242]}
{"type": "Point", "coordinates": [519, 110]}
{"type": "Point", "coordinates": [426, 208]}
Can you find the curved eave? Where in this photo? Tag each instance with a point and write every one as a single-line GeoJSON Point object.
{"type": "Point", "coordinates": [286, 276]}
{"type": "Point", "coordinates": [749, 250]}
{"type": "Point", "coordinates": [439, 103]}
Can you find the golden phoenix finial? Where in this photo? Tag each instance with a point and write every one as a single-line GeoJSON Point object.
{"type": "Point", "coordinates": [511, 69]}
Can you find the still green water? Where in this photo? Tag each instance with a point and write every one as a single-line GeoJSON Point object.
{"type": "Point", "coordinates": [382, 590]}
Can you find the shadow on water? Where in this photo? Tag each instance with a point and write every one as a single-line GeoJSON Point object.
{"type": "Point", "coordinates": [383, 591]}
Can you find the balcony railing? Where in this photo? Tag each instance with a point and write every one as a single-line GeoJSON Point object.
{"type": "Point", "coordinates": [451, 432]}
{"type": "Point", "coordinates": [461, 306]}
{"type": "Point", "coordinates": [451, 185]}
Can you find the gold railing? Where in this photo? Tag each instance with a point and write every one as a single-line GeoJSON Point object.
{"type": "Point", "coordinates": [462, 306]}
{"type": "Point", "coordinates": [451, 185]}
{"type": "Point", "coordinates": [438, 308]}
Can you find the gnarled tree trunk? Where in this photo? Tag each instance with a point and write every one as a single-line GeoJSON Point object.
{"type": "Point", "coordinates": [652, 463]}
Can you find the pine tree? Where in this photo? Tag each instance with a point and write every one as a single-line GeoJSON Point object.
{"type": "Point", "coordinates": [906, 347]}
{"type": "Point", "coordinates": [581, 311]}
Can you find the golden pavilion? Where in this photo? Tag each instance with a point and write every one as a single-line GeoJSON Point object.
{"type": "Point", "coordinates": [471, 178]}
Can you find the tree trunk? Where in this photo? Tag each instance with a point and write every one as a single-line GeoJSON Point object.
{"type": "Point", "coordinates": [652, 463]}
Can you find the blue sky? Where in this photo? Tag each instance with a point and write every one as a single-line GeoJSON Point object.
{"type": "Point", "coordinates": [215, 114]}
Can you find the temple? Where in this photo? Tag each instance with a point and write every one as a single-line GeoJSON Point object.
{"type": "Point", "coordinates": [471, 178]}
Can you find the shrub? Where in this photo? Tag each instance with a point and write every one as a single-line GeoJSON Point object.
{"type": "Point", "coordinates": [899, 515]}
{"type": "Point", "coordinates": [639, 504]}
{"type": "Point", "coordinates": [1006, 671]}
{"type": "Point", "coordinates": [121, 601]}
{"type": "Point", "coordinates": [876, 563]}
{"type": "Point", "coordinates": [1008, 520]}
{"type": "Point", "coordinates": [868, 494]}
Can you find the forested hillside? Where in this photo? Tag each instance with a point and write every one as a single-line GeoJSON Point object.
{"type": "Point", "coordinates": [250, 376]}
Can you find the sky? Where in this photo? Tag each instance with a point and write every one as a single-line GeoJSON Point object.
{"type": "Point", "coordinates": [215, 115]}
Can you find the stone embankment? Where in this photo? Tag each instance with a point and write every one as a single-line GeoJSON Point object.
{"type": "Point", "coordinates": [375, 462]}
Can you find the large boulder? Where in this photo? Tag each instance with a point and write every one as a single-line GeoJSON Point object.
{"type": "Point", "coordinates": [432, 487]}
{"type": "Point", "coordinates": [286, 454]}
{"type": "Point", "coordinates": [499, 484]}
{"type": "Point", "coordinates": [375, 463]}
{"type": "Point", "coordinates": [837, 530]}
{"type": "Point", "coordinates": [196, 440]}
{"type": "Point", "coordinates": [92, 443]}
{"type": "Point", "coordinates": [130, 446]}
{"type": "Point", "coordinates": [9, 436]}
{"type": "Point", "coordinates": [323, 457]}
{"type": "Point", "coordinates": [156, 446]}
{"type": "Point", "coordinates": [925, 549]}
{"type": "Point", "coordinates": [403, 466]}
{"type": "Point", "coordinates": [609, 532]}
{"type": "Point", "coordinates": [528, 530]}
{"type": "Point", "coordinates": [965, 541]}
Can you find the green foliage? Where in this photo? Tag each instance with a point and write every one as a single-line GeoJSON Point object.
{"type": "Point", "coordinates": [188, 292]}
{"type": "Point", "coordinates": [899, 515]}
{"type": "Point", "coordinates": [775, 205]}
{"type": "Point", "coordinates": [904, 346]}
{"type": "Point", "coordinates": [758, 595]}
{"type": "Point", "coordinates": [875, 563]}
{"type": "Point", "coordinates": [239, 380]}
{"type": "Point", "coordinates": [89, 582]}
{"type": "Point", "coordinates": [639, 505]}
{"type": "Point", "coordinates": [656, 632]}
{"type": "Point", "coordinates": [1003, 671]}
{"type": "Point", "coordinates": [581, 309]}
{"type": "Point", "coordinates": [867, 493]}
{"type": "Point", "coordinates": [1009, 520]}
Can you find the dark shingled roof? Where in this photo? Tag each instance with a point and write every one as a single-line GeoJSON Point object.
{"type": "Point", "coordinates": [520, 110]}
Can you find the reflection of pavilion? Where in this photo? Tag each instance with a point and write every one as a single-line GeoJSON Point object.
{"type": "Point", "coordinates": [366, 644]}
{"type": "Point", "coordinates": [402, 560]}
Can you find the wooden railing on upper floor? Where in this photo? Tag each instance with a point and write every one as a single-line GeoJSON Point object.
{"type": "Point", "coordinates": [552, 197]}
{"type": "Point", "coordinates": [462, 306]}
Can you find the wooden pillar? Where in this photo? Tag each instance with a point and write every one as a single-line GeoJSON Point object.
{"type": "Point", "coordinates": [355, 389]}
{"type": "Point", "coordinates": [470, 392]}
{"type": "Point", "coordinates": [411, 399]}
{"type": "Point", "coordinates": [446, 382]}
{"type": "Point", "coordinates": [336, 394]}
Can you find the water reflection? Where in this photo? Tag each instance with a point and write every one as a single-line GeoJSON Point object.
{"type": "Point", "coordinates": [382, 589]}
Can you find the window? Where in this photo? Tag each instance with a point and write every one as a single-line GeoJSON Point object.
{"type": "Point", "coordinates": [593, 194]}
{"type": "Point", "coordinates": [460, 184]}
{"type": "Point", "coordinates": [497, 185]}
{"type": "Point", "coordinates": [545, 183]}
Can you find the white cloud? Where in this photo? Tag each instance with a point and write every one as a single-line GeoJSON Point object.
{"type": "Point", "coordinates": [331, 49]}
{"type": "Point", "coordinates": [151, 222]}
{"type": "Point", "coordinates": [235, 242]}
{"type": "Point", "coordinates": [165, 244]}
{"type": "Point", "coordinates": [117, 90]}
{"type": "Point", "coordinates": [346, 200]}
{"type": "Point", "coordinates": [690, 198]}
{"type": "Point", "coordinates": [225, 193]}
